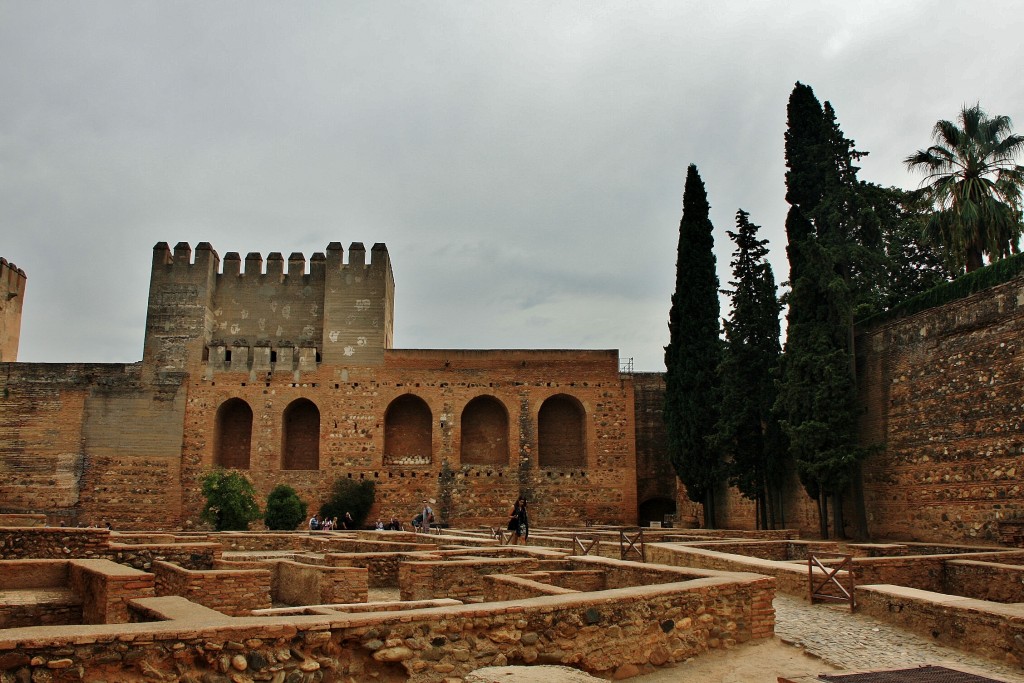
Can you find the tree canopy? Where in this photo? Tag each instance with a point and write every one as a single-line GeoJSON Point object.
{"type": "Point", "coordinates": [747, 430]}
{"type": "Point", "coordinates": [692, 355]}
{"type": "Point", "coordinates": [974, 186]}
{"type": "Point", "coordinates": [834, 256]}
{"type": "Point", "coordinates": [230, 501]}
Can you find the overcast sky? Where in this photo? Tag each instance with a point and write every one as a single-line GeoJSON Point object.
{"type": "Point", "coordinates": [523, 161]}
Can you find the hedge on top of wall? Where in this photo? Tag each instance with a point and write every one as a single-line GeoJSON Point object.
{"type": "Point", "coordinates": [997, 273]}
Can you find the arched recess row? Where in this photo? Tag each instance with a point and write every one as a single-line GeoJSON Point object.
{"type": "Point", "coordinates": [408, 425]}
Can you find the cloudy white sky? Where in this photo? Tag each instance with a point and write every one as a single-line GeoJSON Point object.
{"type": "Point", "coordinates": [523, 161]}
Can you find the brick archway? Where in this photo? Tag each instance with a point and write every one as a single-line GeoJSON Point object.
{"type": "Point", "coordinates": [484, 432]}
{"type": "Point", "coordinates": [233, 435]}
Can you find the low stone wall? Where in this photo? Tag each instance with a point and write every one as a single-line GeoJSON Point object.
{"type": "Point", "coordinates": [106, 589]}
{"type": "Point", "coordinates": [985, 580]}
{"type": "Point", "coordinates": [989, 629]}
{"type": "Point", "coordinates": [196, 556]}
{"type": "Point", "coordinates": [617, 633]}
{"type": "Point", "coordinates": [317, 541]}
{"type": "Point", "coordinates": [459, 579]}
{"type": "Point", "coordinates": [302, 584]}
{"type": "Point", "coordinates": [582, 580]}
{"type": "Point", "coordinates": [502, 587]}
{"type": "Point", "coordinates": [924, 572]}
{"type": "Point", "coordinates": [381, 568]}
{"type": "Point", "coordinates": [68, 591]}
{"type": "Point", "coordinates": [52, 543]}
{"type": "Point", "coordinates": [234, 592]}
{"type": "Point", "coordinates": [35, 592]}
{"type": "Point", "coordinates": [19, 520]}
{"type": "Point", "coordinates": [790, 577]}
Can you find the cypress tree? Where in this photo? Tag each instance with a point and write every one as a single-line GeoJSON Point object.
{"type": "Point", "coordinates": [833, 249]}
{"type": "Point", "coordinates": [693, 352]}
{"type": "Point", "coordinates": [747, 429]}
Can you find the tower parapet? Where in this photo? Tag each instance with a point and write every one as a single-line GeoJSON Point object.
{"type": "Point", "coordinates": [267, 317]}
{"type": "Point", "coordinates": [12, 299]}
{"type": "Point", "coordinates": [178, 318]}
{"type": "Point", "coordinates": [359, 311]}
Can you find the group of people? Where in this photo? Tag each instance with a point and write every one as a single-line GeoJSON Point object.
{"type": "Point", "coordinates": [329, 523]}
{"type": "Point", "coordinates": [392, 525]}
{"type": "Point", "coordinates": [518, 522]}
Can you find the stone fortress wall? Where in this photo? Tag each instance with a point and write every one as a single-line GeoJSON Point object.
{"type": "Point", "coordinates": [291, 377]}
{"type": "Point", "coordinates": [943, 398]}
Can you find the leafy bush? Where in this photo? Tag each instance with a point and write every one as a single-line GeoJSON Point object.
{"type": "Point", "coordinates": [285, 510]}
{"type": "Point", "coordinates": [352, 496]}
{"type": "Point", "coordinates": [230, 501]}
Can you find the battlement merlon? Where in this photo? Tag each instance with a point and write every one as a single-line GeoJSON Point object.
{"type": "Point", "coordinates": [380, 261]}
{"type": "Point", "coordinates": [12, 279]}
{"type": "Point", "coordinates": [12, 298]}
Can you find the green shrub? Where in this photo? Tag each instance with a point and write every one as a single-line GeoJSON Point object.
{"type": "Point", "coordinates": [230, 501]}
{"type": "Point", "coordinates": [285, 510]}
{"type": "Point", "coordinates": [354, 496]}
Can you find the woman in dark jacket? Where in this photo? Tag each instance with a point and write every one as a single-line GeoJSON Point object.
{"type": "Point", "coordinates": [519, 522]}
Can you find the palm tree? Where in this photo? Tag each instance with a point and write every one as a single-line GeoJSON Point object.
{"type": "Point", "coordinates": [974, 187]}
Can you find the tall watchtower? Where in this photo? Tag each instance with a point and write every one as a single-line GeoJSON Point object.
{"type": "Point", "coordinates": [12, 298]}
{"type": "Point", "coordinates": [264, 318]}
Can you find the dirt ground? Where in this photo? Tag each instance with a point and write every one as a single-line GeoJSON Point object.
{"type": "Point", "coordinates": [761, 662]}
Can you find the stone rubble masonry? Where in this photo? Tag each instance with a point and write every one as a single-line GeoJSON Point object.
{"type": "Point", "coordinates": [941, 395]}
{"type": "Point", "coordinates": [942, 392]}
{"type": "Point", "coordinates": [642, 627]}
{"type": "Point", "coordinates": [991, 629]}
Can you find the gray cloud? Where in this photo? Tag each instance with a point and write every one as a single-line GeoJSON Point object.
{"type": "Point", "coordinates": [523, 162]}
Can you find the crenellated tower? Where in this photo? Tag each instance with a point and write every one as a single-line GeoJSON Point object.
{"type": "Point", "coordinates": [12, 298]}
{"type": "Point", "coordinates": [267, 317]}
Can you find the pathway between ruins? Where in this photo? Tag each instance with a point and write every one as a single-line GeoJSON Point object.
{"type": "Point", "coordinates": [858, 642]}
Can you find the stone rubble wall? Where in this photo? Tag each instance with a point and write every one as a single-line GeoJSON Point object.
{"type": "Point", "coordinates": [989, 629]}
{"type": "Point", "coordinates": [616, 633]}
{"type": "Point", "coordinates": [459, 579]}
{"type": "Point", "coordinates": [985, 580]}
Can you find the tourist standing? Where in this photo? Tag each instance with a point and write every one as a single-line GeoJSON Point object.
{"type": "Point", "coordinates": [519, 522]}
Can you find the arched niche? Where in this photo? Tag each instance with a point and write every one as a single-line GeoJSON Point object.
{"type": "Point", "coordinates": [408, 424]}
{"type": "Point", "coordinates": [561, 433]}
{"type": "Point", "coordinates": [300, 449]}
{"type": "Point", "coordinates": [233, 435]}
{"type": "Point", "coordinates": [484, 432]}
